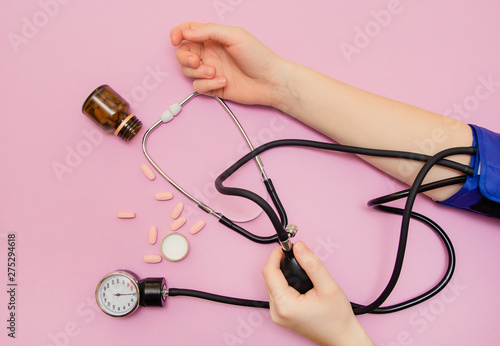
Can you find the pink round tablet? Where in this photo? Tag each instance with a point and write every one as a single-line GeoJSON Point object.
{"type": "Point", "coordinates": [178, 223]}
{"type": "Point", "coordinates": [197, 227]}
{"type": "Point", "coordinates": [177, 210]}
{"type": "Point", "coordinates": [148, 172]}
{"type": "Point", "coordinates": [152, 258]}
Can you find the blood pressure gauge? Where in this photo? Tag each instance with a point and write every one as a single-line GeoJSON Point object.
{"type": "Point", "coordinates": [120, 293]}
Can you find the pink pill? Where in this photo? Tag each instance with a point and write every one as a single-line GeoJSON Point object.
{"type": "Point", "coordinates": [125, 215]}
{"type": "Point", "coordinates": [178, 223]}
{"type": "Point", "coordinates": [148, 172]}
{"type": "Point", "coordinates": [177, 210]}
{"type": "Point", "coordinates": [152, 235]}
{"type": "Point", "coordinates": [163, 196]}
{"type": "Point", "coordinates": [197, 227]}
{"type": "Point", "coordinates": [152, 258]}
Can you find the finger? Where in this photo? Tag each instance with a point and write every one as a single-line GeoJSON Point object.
{"type": "Point", "coordinates": [314, 268]}
{"type": "Point", "coordinates": [207, 86]}
{"type": "Point", "coordinates": [272, 273]}
{"type": "Point", "coordinates": [223, 34]}
{"type": "Point", "coordinates": [188, 54]}
{"type": "Point", "coordinates": [203, 71]}
{"type": "Point", "coordinates": [276, 284]}
{"type": "Point", "coordinates": [176, 34]}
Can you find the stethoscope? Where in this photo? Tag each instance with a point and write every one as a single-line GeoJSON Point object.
{"type": "Point", "coordinates": [122, 292]}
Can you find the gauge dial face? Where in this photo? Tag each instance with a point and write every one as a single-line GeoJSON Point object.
{"type": "Point", "coordinates": [117, 294]}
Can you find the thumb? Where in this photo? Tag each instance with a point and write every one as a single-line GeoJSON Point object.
{"type": "Point", "coordinates": [312, 265]}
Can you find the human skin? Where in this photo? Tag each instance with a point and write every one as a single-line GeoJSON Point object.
{"type": "Point", "coordinates": [231, 63]}
{"type": "Point", "coordinates": [323, 314]}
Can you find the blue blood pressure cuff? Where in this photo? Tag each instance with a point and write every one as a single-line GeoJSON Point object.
{"type": "Point", "coordinates": [481, 192]}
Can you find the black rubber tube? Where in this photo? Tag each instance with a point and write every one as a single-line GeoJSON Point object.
{"type": "Point", "coordinates": [434, 290]}
{"type": "Point", "coordinates": [405, 226]}
{"type": "Point", "coordinates": [217, 298]}
{"type": "Point", "coordinates": [253, 237]}
{"type": "Point", "coordinates": [275, 220]}
{"type": "Point", "coordinates": [438, 159]}
{"type": "Point", "coordinates": [427, 187]}
{"type": "Point", "coordinates": [276, 201]}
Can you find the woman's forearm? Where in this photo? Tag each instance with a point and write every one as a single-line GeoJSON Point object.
{"type": "Point", "coordinates": [355, 117]}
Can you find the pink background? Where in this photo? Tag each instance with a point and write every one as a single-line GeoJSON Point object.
{"type": "Point", "coordinates": [54, 53]}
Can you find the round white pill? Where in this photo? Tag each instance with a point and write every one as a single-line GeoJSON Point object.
{"type": "Point", "coordinates": [174, 247]}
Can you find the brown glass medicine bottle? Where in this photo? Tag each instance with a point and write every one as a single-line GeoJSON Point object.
{"type": "Point", "coordinates": [111, 112]}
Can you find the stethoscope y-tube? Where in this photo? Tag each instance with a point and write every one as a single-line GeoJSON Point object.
{"type": "Point", "coordinates": [279, 219]}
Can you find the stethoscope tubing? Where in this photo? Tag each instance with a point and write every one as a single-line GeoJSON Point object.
{"type": "Point", "coordinates": [417, 187]}
{"type": "Point", "coordinates": [405, 224]}
{"type": "Point", "coordinates": [279, 221]}
{"type": "Point", "coordinates": [170, 180]}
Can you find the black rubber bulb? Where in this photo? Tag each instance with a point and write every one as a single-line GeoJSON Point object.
{"type": "Point", "coordinates": [294, 274]}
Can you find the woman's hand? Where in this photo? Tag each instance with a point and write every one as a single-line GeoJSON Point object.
{"type": "Point", "coordinates": [228, 62]}
{"type": "Point", "coordinates": [323, 314]}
